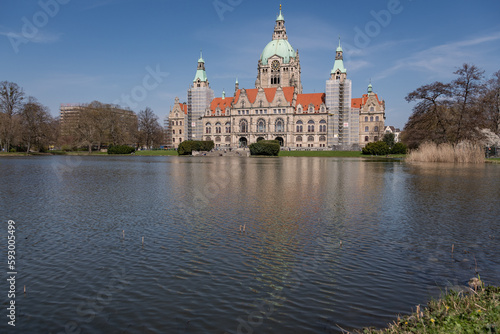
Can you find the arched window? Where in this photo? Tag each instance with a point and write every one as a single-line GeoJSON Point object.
{"type": "Point", "coordinates": [228, 139]}
{"type": "Point", "coordinates": [310, 138]}
{"type": "Point", "coordinates": [243, 126]}
{"type": "Point", "coordinates": [377, 118]}
{"type": "Point", "coordinates": [299, 126]}
{"type": "Point", "coordinates": [366, 129]}
{"type": "Point", "coordinates": [261, 125]}
{"type": "Point", "coordinates": [299, 110]}
{"type": "Point", "coordinates": [217, 139]}
{"type": "Point", "coordinates": [208, 128]}
{"type": "Point", "coordinates": [366, 118]}
{"type": "Point", "coordinates": [173, 140]}
{"type": "Point", "coordinates": [322, 138]}
{"type": "Point", "coordinates": [218, 128]}
{"type": "Point", "coordinates": [366, 138]}
{"type": "Point", "coordinates": [372, 108]}
{"type": "Point", "coordinates": [310, 126]}
{"type": "Point", "coordinates": [180, 122]}
{"type": "Point", "coordinates": [375, 129]}
{"type": "Point", "coordinates": [180, 131]}
{"type": "Point", "coordinates": [279, 126]}
{"type": "Point", "coordinates": [375, 138]}
{"type": "Point", "coordinates": [311, 109]}
{"type": "Point", "coordinates": [322, 126]}
{"type": "Point", "coordinates": [176, 123]}
{"type": "Point", "coordinates": [228, 127]}
{"type": "Point", "coordinates": [173, 131]}
{"type": "Point", "coordinates": [371, 118]}
{"type": "Point", "coordinates": [299, 139]}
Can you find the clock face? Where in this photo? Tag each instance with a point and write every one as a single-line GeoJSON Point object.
{"type": "Point", "coordinates": [275, 65]}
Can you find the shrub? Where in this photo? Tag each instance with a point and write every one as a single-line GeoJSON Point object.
{"type": "Point", "coordinates": [376, 148]}
{"type": "Point", "coordinates": [120, 149]}
{"type": "Point", "coordinates": [188, 146]}
{"type": "Point", "coordinates": [265, 147]}
{"type": "Point", "coordinates": [399, 148]}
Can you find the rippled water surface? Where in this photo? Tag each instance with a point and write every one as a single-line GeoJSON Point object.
{"type": "Point", "coordinates": [327, 243]}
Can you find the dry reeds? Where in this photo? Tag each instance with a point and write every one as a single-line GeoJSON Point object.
{"type": "Point", "coordinates": [463, 152]}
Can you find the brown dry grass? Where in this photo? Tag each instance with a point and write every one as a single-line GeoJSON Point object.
{"type": "Point", "coordinates": [463, 152]}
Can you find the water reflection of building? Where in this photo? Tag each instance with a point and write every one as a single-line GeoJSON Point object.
{"type": "Point", "coordinates": [277, 108]}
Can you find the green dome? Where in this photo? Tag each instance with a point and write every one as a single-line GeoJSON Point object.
{"type": "Point", "coordinates": [279, 47]}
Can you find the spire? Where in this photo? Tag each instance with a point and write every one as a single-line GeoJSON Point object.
{"type": "Point", "coordinates": [280, 17]}
{"type": "Point", "coordinates": [201, 74]}
{"type": "Point", "coordinates": [236, 85]}
{"type": "Point", "coordinates": [279, 28]}
{"type": "Point", "coordinates": [338, 72]}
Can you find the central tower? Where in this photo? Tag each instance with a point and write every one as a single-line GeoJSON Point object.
{"type": "Point", "coordinates": [279, 64]}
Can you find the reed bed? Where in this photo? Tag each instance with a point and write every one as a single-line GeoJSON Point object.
{"type": "Point", "coordinates": [463, 152]}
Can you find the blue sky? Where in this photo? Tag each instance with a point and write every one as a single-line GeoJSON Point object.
{"type": "Point", "coordinates": [76, 51]}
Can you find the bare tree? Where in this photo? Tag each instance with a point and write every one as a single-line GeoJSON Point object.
{"type": "Point", "coordinates": [467, 89]}
{"type": "Point", "coordinates": [11, 99]}
{"type": "Point", "coordinates": [491, 104]}
{"type": "Point", "coordinates": [36, 124]}
{"type": "Point", "coordinates": [150, 131]}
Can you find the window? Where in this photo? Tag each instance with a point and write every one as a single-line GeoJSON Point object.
{"type": "Point", "coordinates": [375, 129]}
{"type": "Point", "coordinates": [218, 128]}
{"type": "Point", "coordinates": [243, 126]}
{"type": "Point", "coordinates": [322, 126]}
{"type": "Point", "coordinates": [208, 128]}
{"type": "Point", "coordinates": [366, 129]}
{"type": "Point", "coordinates": [173, 131]}
{"type": "Point", "coordinates": [217, 139]}
{"type": "Point", "coordinates": [180, 131]}
{"type": "Point", "coordinates": [228, 139]}
{"type": "Point", "coordinates": [371, 118]}
{"type": "Point", "coordinates": [176, 123]}
{"type": "Point", "coordinates": [228, 127]}
{"type": "Point", "coordinates": [180, 122]}
{"type": "Point", "coordinates": [299, 139]}
{"type": "Point", "coordinates": [366, 138]}
{"type": "Point", "coordinates": [261, 125]}
{"type": "Point", "coordinates": [299, 110]}
{"type": "Point", "coordinates": [366, 118]}
{"type": "Point", "coordinates": [310, 126]}
{"type": "Point", "coordinates": [375, 138]}
{"type": "Point", "coordinates": [279, 126]}
{"type": "Point", "coordinates": [310, 138]}
{"type": "Point", "coordinates": [377, 118]}
{"type": "Point", "coordinates": [372, 109]}
{"type": "Point", "coordinates": [322, 138]}
{"type": "Point", "coordinates": [173, 140]}
{"type": "Point", "coordinates": [299, 126]}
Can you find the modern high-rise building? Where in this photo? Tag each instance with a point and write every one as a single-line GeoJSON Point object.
{"type": "Point", "coordinates": [277, 109]}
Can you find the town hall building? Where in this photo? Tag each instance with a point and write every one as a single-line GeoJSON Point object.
{"type": "Point", "coordinates": [277, 108]}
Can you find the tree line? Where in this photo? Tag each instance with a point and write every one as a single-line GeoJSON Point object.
{"type": "Point", "coordinates": [467, 108]}
{"type": "Point", "coordinates": [27, 125]}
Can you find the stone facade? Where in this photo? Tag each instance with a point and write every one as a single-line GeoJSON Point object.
{"type": "Point", "coordinates": [177, 127]}
{"type": "Point", "coordinates": [276, 109]}
{"type": "Point", "coordinates": [371, 117]}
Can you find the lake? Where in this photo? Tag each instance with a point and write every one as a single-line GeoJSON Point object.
{"type": "Point", "coordinates": [240, 245]}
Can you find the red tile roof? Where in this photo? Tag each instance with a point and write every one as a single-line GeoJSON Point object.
{"type": "Point", "coordinates": [184, 107]}
{"type": "Point", "coordinates": [317, 99]}
{"type": "Point", "coordinates": [221, 103]}
{"type": "Point", "coordinates": [361, 101]}
{"type": "Point", "coordinates": [270, 93]}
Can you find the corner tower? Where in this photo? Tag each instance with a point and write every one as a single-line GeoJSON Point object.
{"type": "Point", "coordinates": [279, 64]}
{"type": "Point", "coordinates": [200, 95]}
{"type": "Point", "coordinates": [343, 122]}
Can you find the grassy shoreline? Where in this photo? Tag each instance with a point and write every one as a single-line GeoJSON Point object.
{"type": "Point", "coordinates": [467, 311]}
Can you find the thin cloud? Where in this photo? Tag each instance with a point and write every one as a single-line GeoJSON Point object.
{"type": "Point", "coordinates": [436, 60]}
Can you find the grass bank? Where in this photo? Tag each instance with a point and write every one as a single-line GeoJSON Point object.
{"type": "Point", "coordinates": [456, 312]}
{"type": "Point", "coordinates": [157, 153]}
{"type": "Point", "coordinates": [352, 154]}
{"type": "Point", "coordinates": [464, 152]}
